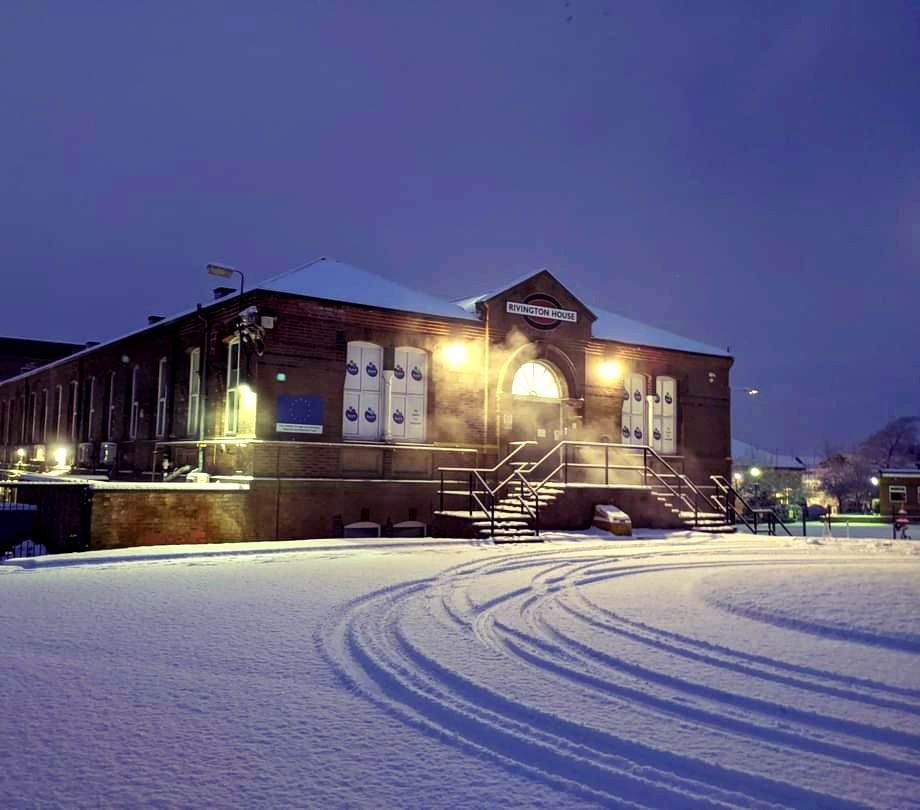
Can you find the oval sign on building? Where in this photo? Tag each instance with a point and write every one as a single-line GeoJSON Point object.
{"type": "Point", "coordinates": [541, 311]}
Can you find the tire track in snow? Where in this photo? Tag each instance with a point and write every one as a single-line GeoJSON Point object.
{"type": "Point", "coordinates": [373, 654]}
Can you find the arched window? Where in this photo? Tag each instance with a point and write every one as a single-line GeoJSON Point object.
{"type": "Point", "coordinates": [361, 404]}
{"type": "Point", "coordinates": [536, 379]}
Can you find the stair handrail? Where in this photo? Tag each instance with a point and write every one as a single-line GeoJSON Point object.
{"type": "Point", "coordinates": [536, 501]}
{"type": "Point", "coordinates": [520, 446]}
{"type": "Point", "coordinates": [686, 479]}
{"type": "Point", "coordinates": [728, 489]}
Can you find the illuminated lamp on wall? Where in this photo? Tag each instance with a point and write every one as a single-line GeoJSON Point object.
{"type": "Point", "coordinates": [60, 457]}
{"type": "Point", "coordinates": [610, 370]}
{"type": "Point", "coordinates": [455, 354]}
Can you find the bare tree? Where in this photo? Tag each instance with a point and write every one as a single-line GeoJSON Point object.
{"type": "Point", "coordinates": [894, 445]}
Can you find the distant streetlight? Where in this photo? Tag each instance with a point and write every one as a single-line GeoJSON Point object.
{"type": "Point", "coordinates": [227, 272]}
{"type": "Point", "coordinates": [755, 472]}
{"type": "Point", "coordinates": [751, 392]}
{"type": "Point", "coordinates": [874, 480]}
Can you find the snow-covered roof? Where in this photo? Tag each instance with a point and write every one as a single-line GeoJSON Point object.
{"type": "Point", "coordinates": [332, 280]}
{"type": "Point", "coordinates": [744, 454]}
{"type": "Point", "coordinates": [900, 472]}
{"type": "Point", "coordinates": [610, 326]}
{"type": "Point", "coordinates": [470, 304]}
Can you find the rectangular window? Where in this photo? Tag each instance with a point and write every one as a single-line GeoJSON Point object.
{"type": "Point", "coordinates": [232, 420]}
{"type": "Point", "coordinates": [194, 391]}
{"type": "Point", "coordinates": [33, 418]}
{"type": "Point", "coordinates": [3, 418]}
{"type": "Point", "coordinates": [43, 417]}
{"type": "Point", "coordinates": [89, 407]}
{"type": "Point", "coordinates": [110, 413]}
{"type": "Point", "coordinates": [74, 410]}
{"type": "Point", "coordinates": [162, 389]}
{"type": "Point", "coordinates": [897, 493]}
{"type": "Point", "coordinates": [135, 406]}
{"type": "Point", "coordinates": [58, 411]}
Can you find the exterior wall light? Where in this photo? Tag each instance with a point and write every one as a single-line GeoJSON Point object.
{"type": "Point", "coordinates": [20, 453]}
{"type": "Point", "coordinates": [455, 354]}
{"type": "Point", "coordinates": [610, 370]}
{"type": "Point", "coordinates": [738, 478]}
{"type": "Point", "coordinates": [60, 457]}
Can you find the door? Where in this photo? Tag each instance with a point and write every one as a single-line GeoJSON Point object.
{"type": "Point", "coordinates": [535, 421]}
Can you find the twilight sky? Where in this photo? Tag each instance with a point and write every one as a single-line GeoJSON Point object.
{"type": "Point", "coordinates": [744, 174]}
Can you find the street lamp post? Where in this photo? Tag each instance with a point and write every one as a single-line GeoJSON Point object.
{"type": "Point", "coordinates": [227, 272]}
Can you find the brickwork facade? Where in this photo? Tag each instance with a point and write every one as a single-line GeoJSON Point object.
{"type": "Point", "coordinates": [172, 395]}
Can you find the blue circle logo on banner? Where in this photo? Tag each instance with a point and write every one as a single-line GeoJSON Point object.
{"type": "Point", "coordinates": [668, 398]}
{"type": "Point", "coordinates": [351, 367]}
{"type": "Point", "coordinates": [625, 432]}
{"type": "Point", "coordinates": [371, 370]}
{"type": "Point", "coordinates": [637, 433]}
{"type": "Point", "coordinates": [625, 394]}
{"type": "Point", "coordinates": [657, 434]}
{"type": "Point", "coordinates": [398, 417]}
{"type": "Point", "coordinates": [637, 396]}
{"type": "Point", "coordinates": [351, 414]}
{"type": "Point", "coordinates": [370, 416]}
{"type": "Point", "coordinates": [399, 372]}
{"type": "Point", "coordinates": [416, 374]}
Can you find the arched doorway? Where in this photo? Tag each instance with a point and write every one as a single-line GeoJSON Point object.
{"type": "Point", "coordinates": [537, 392]}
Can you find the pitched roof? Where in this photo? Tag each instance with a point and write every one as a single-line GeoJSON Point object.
{"type": "Point", "coordinates": [747, 454]}
{"type": "Point", "coordinates": [610, 326]}
{"type": "Point", "coordinates": [332, 280]}
{"type": "Point", "coordinates": [469, 304]}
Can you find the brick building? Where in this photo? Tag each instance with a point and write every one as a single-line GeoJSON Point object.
{"type": "Point", "coordinates": [333, 396]}
{"type": "Point", "coordinates": [899, 488]}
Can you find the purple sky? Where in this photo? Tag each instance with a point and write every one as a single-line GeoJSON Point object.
{"type": "Point", "coordinates": [745, 175]}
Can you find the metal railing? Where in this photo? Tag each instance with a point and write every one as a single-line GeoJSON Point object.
{"type": "Point", "coordinates": [759, 516]}
{"type": "Point", "coordinates": [532, 478]}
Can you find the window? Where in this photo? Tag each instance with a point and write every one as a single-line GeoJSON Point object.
{"type": "Point", "coordinates": [74, 410]}
{"type": "Point", "coordinates": [135, 405]}
{"type": "Point", "coordinates": [3, 420]}
{"type": "Point", "coordinates": [23, 418]}
{"type": "Point", "coordinates": [897, 493]}
{"type": "Point", "coordinates": [362, 396]}
{"type": "Point", "coordinates": [535, 379]}
{"type": "Point", "coordinates": [194, 391]}
{"type": "Point", "coordinates": [634, 423]}
{"type": "Point", "coordinates": [663, 431]}
{"type": "Point", "coordinates": [58, 411]}
{"type": "Point", "coordinates": [43, 417]}
{"type": "Point", "coordinates": [33, 411]}
{"type": "Point", "coordinates": [407, 408]}
{"type": "Point", "coordinates": [89, 407]}
{"type": "Point", "coordinates": [110, 409]}
{"type": "Point", "coordinates": [232, 416]}
{"type": "Point", "coordinates": [162, 389]}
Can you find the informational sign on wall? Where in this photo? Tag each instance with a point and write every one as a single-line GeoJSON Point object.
{"type": "Point", "coordinates": [299, 414]}
{"type": "Point", "coordinates": [541, 311]}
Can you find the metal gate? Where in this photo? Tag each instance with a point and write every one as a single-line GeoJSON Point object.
{"type": "Point", "coordinates": [54, 515]}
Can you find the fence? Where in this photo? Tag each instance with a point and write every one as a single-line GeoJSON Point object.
{"type": "Point", "coordinates": [43, 517]}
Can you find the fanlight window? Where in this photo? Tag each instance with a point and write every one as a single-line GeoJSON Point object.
{"type": "Point", "coordinates": [536, 380]}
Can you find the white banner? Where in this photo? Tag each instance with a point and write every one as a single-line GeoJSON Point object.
{"type": "Point", "coordinates": [533, 311]}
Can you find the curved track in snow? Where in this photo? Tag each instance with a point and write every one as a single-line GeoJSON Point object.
{"type": "Point", "coordinates": [628, 680]}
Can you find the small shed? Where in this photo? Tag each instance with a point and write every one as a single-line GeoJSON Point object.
{"type": "Point", "coordinates": [899, 488]}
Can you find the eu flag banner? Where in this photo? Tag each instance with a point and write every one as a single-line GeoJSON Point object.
{"type": "Point", "coordinates": [299, 414]}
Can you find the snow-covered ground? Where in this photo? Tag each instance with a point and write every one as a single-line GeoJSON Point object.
{"type": "Point", "coordinates": [672, 671]}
